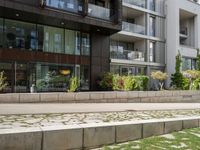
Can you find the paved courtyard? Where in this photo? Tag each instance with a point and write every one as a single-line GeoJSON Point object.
{"type": "Point", "coordinates": [41, 120]}
{"type": "Point", "coordinates": [90, 107]}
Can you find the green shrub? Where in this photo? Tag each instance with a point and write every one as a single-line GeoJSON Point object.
{"type": "Point", "coordinates": [196, 84]}
{"type": "Point", "coordinates": [177, 78]}
{"type": "Point", "coordinates": [106, 81]}
{"type": "Point", "coordinates": [3, 83]}
{"type": "Point", "coordinates": [74, 84]}
{"type": "Point", "coordinates": [142, 82]}
{"type": "Point", "coordinates": [186, 84]}
{"type": "Point", "coordinates": [130, 83]}
{"type": "Point", "coordinates": [118, 82]}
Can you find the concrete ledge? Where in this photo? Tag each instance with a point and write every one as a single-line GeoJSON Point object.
{"type": "Point", "coordinates": [90, 135]}
{"type": "Point", "coordinates": [62, 138]}
{"type": "Point", "coordinates": [26, 139]}
{"type": "Point", "coordinates": [104, 97]}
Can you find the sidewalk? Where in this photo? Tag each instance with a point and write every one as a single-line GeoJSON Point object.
{"type": "Point", "coordinates": [79, 108]}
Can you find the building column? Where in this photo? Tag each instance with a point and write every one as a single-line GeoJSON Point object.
{"type": "Point", "coordinates": [100, 57]}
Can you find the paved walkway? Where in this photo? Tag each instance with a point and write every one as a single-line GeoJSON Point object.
{"type": "Point", "coordinates": [78, 108]}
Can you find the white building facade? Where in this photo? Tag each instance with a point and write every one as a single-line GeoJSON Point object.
{"type": "Point", "coordinates": [153, 33]}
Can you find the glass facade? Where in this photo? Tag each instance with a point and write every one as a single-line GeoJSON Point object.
{"type": "Point", "coordinates": [1, 32]}
{"type": "Point", "coordinates": [67, 5]}
{"type": "Point", "coordinates": [52, 72]}
{"type": "Point", "coordinates": [152, 26]}
{"type": "Point", "coordinates": [151, 5]}
{"type": "Point", "coordinates": [20, 35]}
{"type": "Point", "coordinates": [152, 50]}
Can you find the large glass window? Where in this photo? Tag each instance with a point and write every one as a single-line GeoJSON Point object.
{"type": "Point", "coordinates": [51, 39]}
{"type": "Point", "coordinates": [151, 5]}
{"type": "Point", "coordinates": [72, 42]}
{"type": "Point", "coordinates": [152, 25]}
{"type": "Point", "coordinates": [85, 45]}
{"type": "Point", "coordinates": [20, 35]}
{"type": "Point", "coordinates": [1, 32]}
{"type": "Point", "coordinates": [53, 77]}
{"type": "Point", "coordinates": [188, 64]}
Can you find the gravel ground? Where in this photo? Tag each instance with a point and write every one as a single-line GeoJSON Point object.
{"type": "Point", "coordinates": [16, 121]}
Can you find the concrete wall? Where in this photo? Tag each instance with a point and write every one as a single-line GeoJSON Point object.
{"type": "Point", "coordinates": [104, 97]}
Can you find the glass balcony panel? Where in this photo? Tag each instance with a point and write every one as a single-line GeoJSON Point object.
{"type": "Point", "coordinates": [67, 5]}
{"type": "Point", "coordinates": [98, 12]}
{"type": "Point", "coordinates": [134, 28]}
{"type": "Point", "coordinates": [128, 55]}
{"type": "Point", "coordinates": [139, 3]}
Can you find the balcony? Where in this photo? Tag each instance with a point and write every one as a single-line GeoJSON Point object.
{"type": "Point", "coordinates": [127, 55]}
{"type": "Point", "coordinates": [71, 6]}
{"type": "Point", "coordinates": [98, 12]}
{"type": "Point", "coordinates": [139, 3]}
{"type": "Point", "coordinates": [133, 28]}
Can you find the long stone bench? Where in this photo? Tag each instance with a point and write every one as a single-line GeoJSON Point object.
{"type": "Point", "coordinates": [103, 97]}
{"type": "Point", "coordinates": [89, 135]}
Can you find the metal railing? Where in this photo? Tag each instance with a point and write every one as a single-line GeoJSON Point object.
{"type": "Point", "coordinates": [139, 3]}
{"type": "Point", "coordinates": [98, 12]}
{"type": "Point", "coordinates": [127, 55]}
{"type": "Point", "coordinates": [134, 28]}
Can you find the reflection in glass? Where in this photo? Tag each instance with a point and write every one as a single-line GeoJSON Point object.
{"type": "Point", "coordinates": [72, 42]}
{"type": "Point", "coordinates": [85, 76]}
{"type": "Point", "coordinates": [85, 44]}
{"type": "Point", "coordinates": [7, 69]}
{"type": "Point", "coordinates": [1, 32]}
{"type": "Point", "coordinates": [68, 5]}
{"type": "Point", "coordinates": [53, 77]}
{"type": "Point", "coordinates": [152, 26]}
{"type": "Point", "coordinates": [20, 35]}
{"type": "Point", "coordinates": [51, 39]}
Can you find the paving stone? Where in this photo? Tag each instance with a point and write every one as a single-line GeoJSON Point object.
{"type": "Point", "coordinates": [66, 97]}
{"type": "Point", "coordinates": [29, 98]}
{"type": "Point", "coordinates": [49, 97]}
{"type": "Point", "coordinates": [9, 98]}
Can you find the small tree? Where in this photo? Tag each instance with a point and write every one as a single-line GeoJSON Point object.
{"type": "Point", "coordinates": [74, 84]}
{"type": "Point", "coordinates": [3, 83]}
{"type": "Point", "coordinates": [198, 59]}
{"type": "Point", "coordinates": [160, 76]}
{"type": "Point", "coordinates": [177, 77]}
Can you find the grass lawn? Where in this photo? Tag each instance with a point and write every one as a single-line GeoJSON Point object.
{"type": "Point", "coordinates": [184, 140]}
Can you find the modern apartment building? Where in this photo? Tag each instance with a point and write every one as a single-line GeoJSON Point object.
{"type": "Point", "coordinates": [140, 47]}
{"type": "Point", "coordinates": [46, 42]}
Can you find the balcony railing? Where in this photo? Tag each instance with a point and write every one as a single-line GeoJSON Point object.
{"type": "Point", "coordinates": [139, 3]}
{"type": "Point", "coordinates": [71, 6]}
{"type": "Point", "coordinates": [129, 27]}
{"type": "Point", "coordinates": [98, 12]}
{"type": "Point", "coordinates": [127, 55]}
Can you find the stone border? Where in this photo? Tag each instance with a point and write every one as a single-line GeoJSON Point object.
{"type": "Point", "coordinates": [90, 135]}
{"type": "Point", "coordinates": [104, 97]}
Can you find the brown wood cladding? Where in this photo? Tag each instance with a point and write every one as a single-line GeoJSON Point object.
{"type": "Point", "coordinates": [31, 56]}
